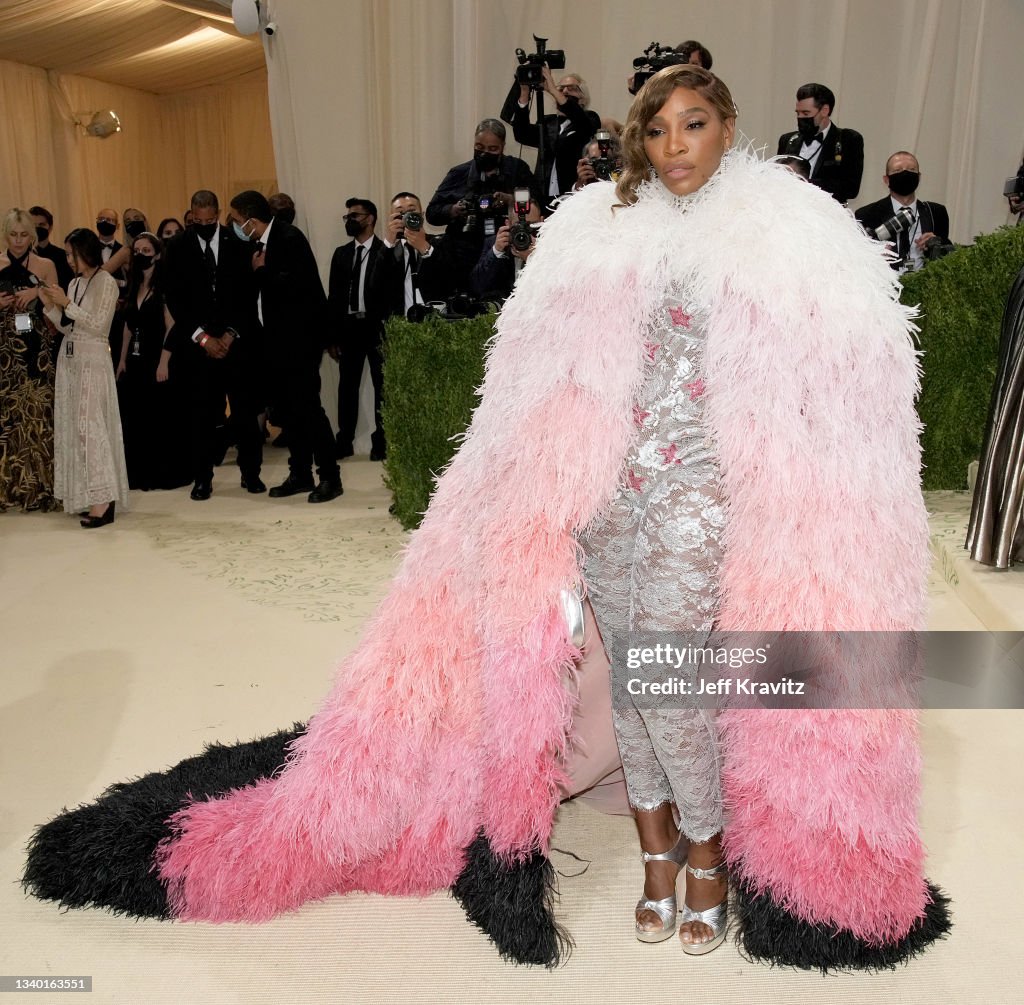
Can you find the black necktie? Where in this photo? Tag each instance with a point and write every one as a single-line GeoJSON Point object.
{"type": "Point", "coordinates": [353, 289]}
{"type": "Point", "coordinates": [903, 241]}
{"type": "Point", "coordinates": [211, 265]}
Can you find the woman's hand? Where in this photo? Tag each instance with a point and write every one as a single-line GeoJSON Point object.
{"type": "Point", "coordinates": [6, 300]}
{"type": "Point", "coordinates": [162, 372]}
{"type": "Point", "coordinates": [121, 369]}
{"type": "Point", "coordinates": [23, 298]}
{"type": "Point", "coordinates": [54, 296]}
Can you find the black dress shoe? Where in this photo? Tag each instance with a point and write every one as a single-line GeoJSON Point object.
{"type": "Point", "coordinates": [325, 492]}
{"type": "Point", "coordinates": [253, 484]}
{"type": "Point", "coordinates": [201, 491]}
{"type": "Point", "coordinates": [291, 487]}
{"type": "Point", "coordinates": [378, 455]}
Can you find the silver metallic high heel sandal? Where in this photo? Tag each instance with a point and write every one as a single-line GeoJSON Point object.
{"type": "Point", "coordinates": [666, 907]}
{"type": "Point", "coordinates": [716, 918]}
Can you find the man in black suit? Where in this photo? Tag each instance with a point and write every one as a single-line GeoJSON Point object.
{"type": "Point", "coordinates": [499, 265]}
{"type": "Point", "coordinates": [292, 309]}
{"type": "Point", "coordinates": [422, 260]}
{"type": "Point", "coordinates": [930, 219]}
{"type": "Point", "coordinates": [211, 294]}
{"type": "Point", "coordinates": [42, 218]}
{"type": "Point", "coordinates": [836, 155]}
{"type": "Point", "coordinates": [566, 132]}
{"type": "Point", "coordinates": [362, 294]}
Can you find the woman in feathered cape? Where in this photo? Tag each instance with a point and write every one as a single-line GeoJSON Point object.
{"type": "Point", "coordinates": [437, 758]}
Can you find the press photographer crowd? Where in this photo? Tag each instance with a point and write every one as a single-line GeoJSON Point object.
{"type": "Point", "coordinates": [136, 363]}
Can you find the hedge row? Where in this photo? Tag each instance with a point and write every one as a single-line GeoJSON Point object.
{"type": "Point", "coordinates": [432, 371]}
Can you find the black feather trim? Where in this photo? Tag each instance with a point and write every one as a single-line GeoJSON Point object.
{"type": "Point", "coordinates": [513, 904]}
{"type": "Point", "coordinates": [768, 933]}
{"type": "Point", "coordinates": [101, 854]}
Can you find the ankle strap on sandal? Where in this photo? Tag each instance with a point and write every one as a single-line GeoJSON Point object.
{"type": "Point", "coordinates": [712, 873]}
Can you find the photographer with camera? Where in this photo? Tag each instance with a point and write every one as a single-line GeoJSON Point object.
{"type": "Point", "coordinates": [474, 197]}
{"type": "Point", "coordinates": [422, 262]}
{"type": "Point", "coordinates": [926, 233]}
{"type": "Point", "coordinates": [504, 256]}
{"type": "Point", "coordinates": [601, 160]}
{"type": "Point", "coordinates": [566, 131]}
{"type": "Point", "coordinates": [656, 57]}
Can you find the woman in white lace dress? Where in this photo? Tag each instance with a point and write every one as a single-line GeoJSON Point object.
{"type": "Point", "coordinates": [89, 465]}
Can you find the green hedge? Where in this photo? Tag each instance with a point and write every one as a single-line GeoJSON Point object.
{"type": "Point", "coordinates": [962, 298]}
{"type": "Point", "coordinates": [431, 373]}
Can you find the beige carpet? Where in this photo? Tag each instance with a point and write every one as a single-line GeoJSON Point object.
{"type": "Point", "coordinates": [125, 649]}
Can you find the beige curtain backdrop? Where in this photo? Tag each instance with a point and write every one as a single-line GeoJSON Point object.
{"type": "Point", "coordinates": [373, 96]}
{"type": "Point", "coordinates": [216, 137]}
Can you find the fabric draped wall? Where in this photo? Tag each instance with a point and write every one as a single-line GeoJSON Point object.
{"type": "Point", "coordinates": [374, 96]}
{"type": "Point", "coordinates": [216, 137]}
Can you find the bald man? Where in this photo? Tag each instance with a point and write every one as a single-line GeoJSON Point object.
{"type": "Point", "coordinates": [902, 177]}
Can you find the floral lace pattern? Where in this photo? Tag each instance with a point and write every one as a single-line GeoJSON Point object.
{"type": "Point", "coordinates": [652, 565]}
{"type": "Point", "coordinates": [89, 467]}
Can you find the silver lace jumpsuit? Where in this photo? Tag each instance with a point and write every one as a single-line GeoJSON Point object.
{"type": "Point", "coordinates": [652, 565]}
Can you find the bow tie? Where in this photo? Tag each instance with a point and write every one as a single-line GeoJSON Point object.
{"type": "Point", "coordinates": [818, 138]}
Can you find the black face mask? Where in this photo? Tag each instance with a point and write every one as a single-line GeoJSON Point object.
{"type": "Point", "coordinates": [806, 127]}
{"type": "Point", "coordinates": [106, 228]}
{"type": "Point", "coordinates": [135, 227]}
{"type": "Point", "coordinates": [904, 182]}
{"type": "Point", "coordinates": [486, 161]}
{"type": "Point", "coordinates": [205, 230]}
{"type": "Point", "coordinates": [353, 228]}
{"type": "Point", "coordinates": [141, 262]}
{"type": "Point", "coordinates": [42, 234]}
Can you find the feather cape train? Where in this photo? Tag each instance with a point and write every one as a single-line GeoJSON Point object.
{"type": "Point", "coordinates": [436, 759]}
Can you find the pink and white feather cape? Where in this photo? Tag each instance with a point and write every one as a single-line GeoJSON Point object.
{"type": "Point", "coordinates": [452, 714]}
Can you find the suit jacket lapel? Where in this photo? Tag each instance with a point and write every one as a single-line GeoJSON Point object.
{"type": "Point", "coordinates": [828, 148]}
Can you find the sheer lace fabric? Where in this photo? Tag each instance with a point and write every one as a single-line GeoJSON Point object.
{"type": "Point", "coordinates": [652, 565]}
{"type": "Point", "coordinates": [88, 452]}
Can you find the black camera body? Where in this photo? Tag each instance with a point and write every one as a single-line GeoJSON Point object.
{"type": "Point", "coordinates": [482, 210]}
{"type": "Point", "coordinates": [530, 70]}
{"type": "Point", "coordinates": [520, 234]}
{"type": "Point", "coordinates": [935, 248]}
{"type": "Point", "coordinates": [656, 57]}
{"type": "Point", "coordinates": [608, 164]}
{"type": "Point", "coordinates": [603, 167]}
{"type": "Point", "coordinates": [412, 220]}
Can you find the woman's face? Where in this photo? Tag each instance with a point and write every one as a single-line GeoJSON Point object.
{"type": "Point", "coordinates": [19, 240]}
{"type": "Point", "coordinates": [144, 246]}
{"type": "Point", "coordinates": [72, 258]}
{"type": "Point", "coordinates": [685, 141]}
{"type": "Point", "coordinates": [170, 230]}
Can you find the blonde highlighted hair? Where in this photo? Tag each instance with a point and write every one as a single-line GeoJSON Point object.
{"type": "Point", "coordinates": [650, 98]}
{"type": "Point", "coordinates": [17, 218]}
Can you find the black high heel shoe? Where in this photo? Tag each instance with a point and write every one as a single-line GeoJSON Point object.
{"type": "Point", "coordinates": [100, 521]}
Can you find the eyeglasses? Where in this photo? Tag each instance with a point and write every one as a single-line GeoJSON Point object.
{"type": "Point", "coordinates": [568, 87]}
{"type": "Point", "coordinates": [355, 216]}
